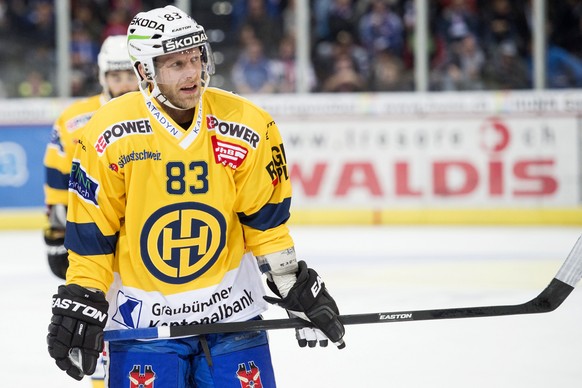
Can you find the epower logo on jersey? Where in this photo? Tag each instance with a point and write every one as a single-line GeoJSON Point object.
{"type": "Point", "coordinates": [119, 130]}
{"type": "Point", "coordinates": [233, 130]}
{"type": "Point", "coordinates": [182, 241]}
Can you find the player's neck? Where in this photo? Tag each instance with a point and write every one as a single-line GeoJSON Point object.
{"type": "Point", "coordinates": [180, 116]}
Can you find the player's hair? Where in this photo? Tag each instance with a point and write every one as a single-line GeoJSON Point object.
{"type": "Point", "coordinates": [112, 56]}
{"type": "Point", "coordinates": [162, 31]}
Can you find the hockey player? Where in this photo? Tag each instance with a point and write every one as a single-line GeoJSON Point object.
{"type": "Point", "coordinates": [116, 78]}
{"type": "Point", "coordinates": [178, 200]}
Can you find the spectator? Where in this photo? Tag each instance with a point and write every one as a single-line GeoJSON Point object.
{"type": "Point", "coordinates": [341, 17]}
{"type": "Point", "coordinates": [564, 70]}
{"type": "Point", "coordinates": [504, 23]}
{"type": "Point", "coordinates": [84, 52]}
{"type": "Point", "coordinates": [35, 85]}
{"type": "Point", "coordinates": [456, 20]}
{"type": "Point", "coordinates": [345, 77]}
{"type": "Point", "coordinates": [464, 68]}
{"type": "Point", "coordinates": [565, 18]}
{"type": "Point", "coordinates": [253, 72]}
{"type": "Point", "coordinates": [85, 14]}
{"type": "Point", "coordinates": [507, 70]}
{"type": "Point", "coordinates": [41, 58]}
{"type": "Point", "coordinates": [435, 44]}
{"type": "Point", "coordinates": [345, 45]}
{"type": "Point", "coordinates": [289, 17]}
{"type": "Point", "coordinates": [285, 68]}
{"type": "Point", "coordinates": [240, 11]}
{"type": "Point", "coordinates": [42, 21]}
{"type": "Point", "coordinates": [320, 10]}
{"type": "Point", "coordinates": [269, 28]}
{"type": "Point", "coordinates": [129, 7]}
{"type": "Point", "coordinates": [381, 29]}
{"type": "Point", "coordinates": [117, 23]}
{"type": "Point", "coordinates": [388, 74]}
{"type": "Point", "coordinates": [4, 22]}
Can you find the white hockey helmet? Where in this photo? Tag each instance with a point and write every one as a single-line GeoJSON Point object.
{"type": "Point", "coordinates": [112, 56]}
{"type": "Point", "coordinates": [162, 31]}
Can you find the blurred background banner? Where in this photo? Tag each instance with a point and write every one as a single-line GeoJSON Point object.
{"type": "Point", "coordinates": [471, 157]}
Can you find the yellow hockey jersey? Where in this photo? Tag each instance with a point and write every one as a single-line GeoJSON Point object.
{"type": "Point", "coordinates": [61, 146]}
{"type": "Point", "coordinates": [167, 220]}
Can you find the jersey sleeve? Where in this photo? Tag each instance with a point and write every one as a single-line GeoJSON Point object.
{"type": "Point", "coordinates": [57, 165]}
{"type": "Point", "coordinates": [94, 217]}
{"type": "Point", "coordinates": [61, 147]}
{"type": "Point", "coordinates": [264, 200]}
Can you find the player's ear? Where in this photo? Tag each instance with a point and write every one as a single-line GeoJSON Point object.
{"type": "Point", "coordinates": [141, 71]}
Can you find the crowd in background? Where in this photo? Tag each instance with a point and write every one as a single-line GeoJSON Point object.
{"type": "Point", "coordinates": [363, 45]}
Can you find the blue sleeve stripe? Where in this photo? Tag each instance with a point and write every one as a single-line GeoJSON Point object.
{"type": "Point", "coordinates": [270, 216]}
{"type": "Point", "coordinates": [87, 240]}
{"type": "Point", "coordinates": [56, 179]}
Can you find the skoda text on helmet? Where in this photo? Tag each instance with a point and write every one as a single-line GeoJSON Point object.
{"type": "Point", "coordinates": [162, 31]}
{"type": "Point", "coordinates": [112, 56]}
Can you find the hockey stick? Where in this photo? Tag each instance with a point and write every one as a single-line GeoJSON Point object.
{"type": "Point", "coordinates": [548, 300]}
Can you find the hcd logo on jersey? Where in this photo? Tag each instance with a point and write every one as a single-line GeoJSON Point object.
{"type": "Point", "coordinates": [128, 310]}
{"type": "Point", "coordinates": [142, 380]}
{"type": "Point", "coordinates": [180, 242]}
{"type": "Point", "coordinates": [249, 378]}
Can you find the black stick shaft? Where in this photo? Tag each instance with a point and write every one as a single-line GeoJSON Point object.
{"type": "Point", "coordinates": [550, 298]}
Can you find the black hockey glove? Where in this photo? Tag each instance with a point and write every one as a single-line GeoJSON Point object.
{"type": "Point", "coordinates": [310, 297]}
{"type": "Point", "coordinates": [75, 336]}
{"type": "Point", "coordinates": [58, 257]}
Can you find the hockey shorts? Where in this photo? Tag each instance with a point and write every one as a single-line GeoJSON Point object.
{"type": "Point", "coordinates": [234, 360]}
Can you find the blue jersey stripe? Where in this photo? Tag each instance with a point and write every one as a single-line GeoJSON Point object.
{"type": "Point", "coordinates": [87, 240]}
{"type": "Point", "coordinates": [56, 179]}
{"type": "Point", "coordinates": [270, 216]}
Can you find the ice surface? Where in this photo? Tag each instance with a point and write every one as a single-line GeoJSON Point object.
{"type": "Point", "coordinates": [370, 269]}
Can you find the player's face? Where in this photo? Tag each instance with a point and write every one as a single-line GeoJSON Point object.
{"type": "Point", "coordinates": [179, 77]}
{"type": "Point", "coordinates": [120, 82]}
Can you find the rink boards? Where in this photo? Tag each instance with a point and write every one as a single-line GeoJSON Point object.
{"type": "Point", "coordinates": [402, 158]}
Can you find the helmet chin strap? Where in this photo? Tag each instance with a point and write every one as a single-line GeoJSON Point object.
{"type": "Point", "coordinates": [158, 95]}
{"type": "Point", "coordinates": [107, 94]}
